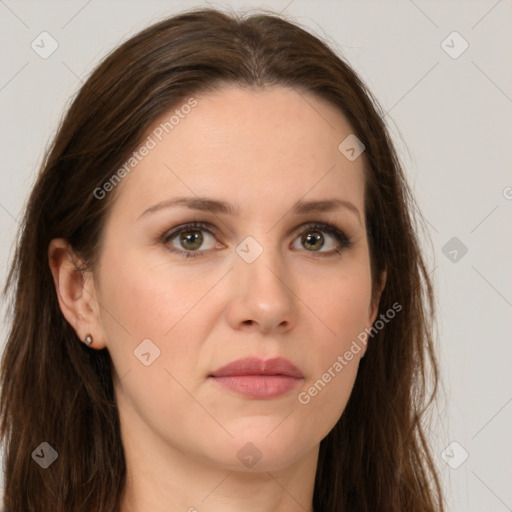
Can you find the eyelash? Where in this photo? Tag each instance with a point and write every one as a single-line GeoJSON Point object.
{"type": "Point", "coordinates": [343, 240]}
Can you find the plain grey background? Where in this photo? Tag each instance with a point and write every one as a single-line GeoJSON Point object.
{"type": "Point", "coordinates": [441, 71]}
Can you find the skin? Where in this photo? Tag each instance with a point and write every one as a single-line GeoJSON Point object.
{"type": "Point", "coordinates": [264, 150]}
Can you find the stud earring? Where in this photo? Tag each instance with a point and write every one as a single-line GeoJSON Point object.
{"type": "Point", "coordinates": [88, 340]}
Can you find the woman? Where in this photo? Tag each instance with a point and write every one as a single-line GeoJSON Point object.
{"type": "Point", "coordinates": [219, 297]}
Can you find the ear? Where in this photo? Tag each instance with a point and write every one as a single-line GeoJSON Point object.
{"type": "Point", "coordinates": [374, 304]}
{"type": "Point", "coordinates": [75, 292]}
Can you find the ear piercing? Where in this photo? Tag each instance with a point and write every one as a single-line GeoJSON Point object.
{"type": "Point", "coordinates": [88, 340]}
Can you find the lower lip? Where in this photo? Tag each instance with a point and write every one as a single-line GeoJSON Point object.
{"type": "Point", "coordinates": [258, 386]}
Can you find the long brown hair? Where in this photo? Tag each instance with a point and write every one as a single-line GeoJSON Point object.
{"type": "Point", "coordinates": [56, 390]}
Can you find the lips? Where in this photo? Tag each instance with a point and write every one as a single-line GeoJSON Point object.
{"type": "Point", "coordinates": [257, 379]}
{"type": "Point", "coordinates": [257, 366]}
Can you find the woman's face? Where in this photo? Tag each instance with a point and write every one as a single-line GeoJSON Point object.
{"type": "Point", "coordinates": [262, 284]}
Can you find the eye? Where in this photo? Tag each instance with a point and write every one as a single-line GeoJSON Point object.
{"type": "Point", "coordinates": [313, 239]}
{"type": "Point", "coordinates": [189, 238]}
{"type": "Point", "coordinates": [186, 240]}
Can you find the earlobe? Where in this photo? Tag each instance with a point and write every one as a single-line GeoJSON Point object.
{"type": "Point", "coordinates": [75, 301]}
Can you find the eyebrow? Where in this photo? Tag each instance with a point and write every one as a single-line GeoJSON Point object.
{"type": "Point", "coordinates": [216, 206]}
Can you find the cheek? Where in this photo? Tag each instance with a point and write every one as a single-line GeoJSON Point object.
{"type": "Point", "coordinates": [149, 296]}
{"type": "Point", "coordinates": [343, 304]}
{"type": "Point", "coordinates": [154, 299]}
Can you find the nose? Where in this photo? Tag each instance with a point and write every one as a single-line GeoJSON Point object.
{"type": "Point", "coordinates": [262, 293]}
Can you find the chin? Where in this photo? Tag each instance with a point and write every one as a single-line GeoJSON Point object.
{"type": "Point", "coordinates": [255, 453]}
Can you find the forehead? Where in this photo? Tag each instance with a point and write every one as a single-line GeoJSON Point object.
{"type": "Point", "coordinates": [257, 147]}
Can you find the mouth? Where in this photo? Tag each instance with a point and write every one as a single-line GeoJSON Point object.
{"type": "Point", "coordinates": [255, 378]}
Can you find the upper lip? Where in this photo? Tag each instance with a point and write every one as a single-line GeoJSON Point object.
{"type": "Point", "coordinates": [257, 366]}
